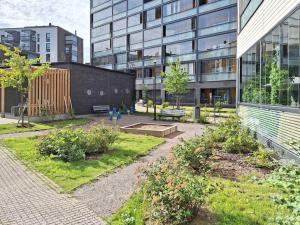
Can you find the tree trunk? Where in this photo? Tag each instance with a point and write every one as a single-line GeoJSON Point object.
{"type": "Point", "coordinates": [177, 102]}
{"type": "Point", "coordinates": [22, 110]}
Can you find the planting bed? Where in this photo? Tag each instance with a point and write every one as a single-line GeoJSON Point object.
{"type": "Point", "coordinates": [157, 130]}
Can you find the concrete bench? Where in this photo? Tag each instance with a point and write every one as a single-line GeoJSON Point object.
{"type": "Point", "coordinates": [101, 109]}
{"type": "Point", "coordinates": [171, 113]}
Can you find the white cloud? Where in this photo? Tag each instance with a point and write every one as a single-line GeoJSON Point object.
{"type": "Point", "coordinates": [69, 14]}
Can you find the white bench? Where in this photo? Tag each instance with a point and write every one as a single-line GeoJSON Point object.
{"type": "Point", "coordinates": [101, 109]}
{"type": "Point", "coordinates": [172, 113]}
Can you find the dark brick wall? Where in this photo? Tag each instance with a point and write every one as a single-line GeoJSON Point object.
{"type": "Point", "coordinates": [94, 86]}
{"type": "Point", "coordinates": [11, 99]}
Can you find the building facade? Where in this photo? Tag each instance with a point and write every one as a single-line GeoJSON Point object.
{"type": "Point", "coordinates": [268, 86]}
{"type": "Point", "coordinates": [145, 36]}
{"type": "Point", "coordinates": [51, 43]}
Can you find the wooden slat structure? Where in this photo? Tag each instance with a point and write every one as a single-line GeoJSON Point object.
{"type": "Point", "coordinates": [50, 92]}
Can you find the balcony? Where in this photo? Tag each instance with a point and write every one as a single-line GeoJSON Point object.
{"type": "Point", "coordinates": [135, 10]}
{"type": "Point", "coordinates": [135, 28]}
{"type": "Point", "coordinates": [152, 43]}
{"type": "Point", "coordinates": [178, 37]}
{"type": "Point", "coordinates": [120, 15]}
{"type": "Point", "coordinates": [151, 80]}
{"type": "Point", "coordinates": [139, 81]}
{"type": "Point", "coordinates": [135, 64]}
{"type": "Point", "coordinates": [151, 4]}
{"type": "Point", "coordinates": [182, 58]}
{"type": "Point", "coordinates": [180, 15]}
{"type": "Point", "coordinates": [217, 29]}
{"type": "Point", "coordinates": [119, 49]}
{"type": "Point", "coordinates": [192, 78]}
{"type": "Point", "coordinates": [224, 52]}
{"type": "Point", "coordinates": [218, 76]}
{"type": "Point", "coordinates": [215, 5]}
{"type": "Point", "coordinates": [153, 23]}
{"type": "Point", "coordinates": [100, 38]}
{"type": "Point", "coordinates": [119, 32]}
{"type": "Point", "coordinates": [121, 66]}
{"type": "Point", "coordinates": [152, 62]}
{"type": "Point", "coordinates": [102, 6]}
{"type": "Point", "coordinates": [103, 53]}
{"type": "Point", "coordinates": [103, 21]}
{"type": "Point", "coordinates": [136, 46]}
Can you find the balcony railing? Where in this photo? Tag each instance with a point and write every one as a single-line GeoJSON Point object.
{"type": "Point", "coordinates": [121, 66]}
{"type": "Point", "coordinates": [119, 32]}
{"type": "Point", "coordinates": [215, 5]}
{"type": "Point", "coordinates": [136, 46]}
{"type": "Point", "coordinates": [218, 76]}
{"type": "Point", "coordinates": [151, 4]}
{"type": "Point", "coordinates": [135, 10]}
{"type": "Point", "coordinates": [135, 28]}
{"type": "Point", "coordinates": [217, 28]}
{"type": "Point", "coordinates": [152, 43]}
{"type": "Point", "coordinates": [192, 78]}
{"type": "Point", "coordinates": [153, 23]}
{"type": "Point", "coordinates": [120, 15]}
{"type": "Point", "coordinates": [151, 80]}
{"type": "Point", "coordinates": [151, 62]}
{"type": "Point", "coordinates": [102, 6]}
{"type": "Point", "coordinates": [103, 21]}
{"type": "Point", "coordinates": [224, 52]}
{"type": "Point", "coordinates": [179, 37]}
{"type": "Point", "coordinates": [135, 64]}
{"type": "Point", "coordinates": [100, 38]}
{"type": "Point", "coordinates": [103, 53]}
{"type": "Point", "coordinates": [108, 66]}
{"type": "Point", "coordinates": [119, 49]}
{"type": "Point", "coordinates": [187, 57]}
{"type": "Point", "coordinates": [180, 15]}
{"type": "Point", "coordinates": [139, 81]}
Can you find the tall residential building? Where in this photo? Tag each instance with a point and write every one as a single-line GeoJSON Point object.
{"type": "Point", "coordinates": [268, 50]}
{"type": "Point", "coordinates": [145, 36]}
{"type": "Point", "coordinates": [51, 43]}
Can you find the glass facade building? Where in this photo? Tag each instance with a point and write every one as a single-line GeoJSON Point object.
{"type": "Point", "coordinates": [145, 36]}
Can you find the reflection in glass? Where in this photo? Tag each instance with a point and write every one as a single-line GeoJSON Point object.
{"type": "Point", "coordinates": [217, 42]}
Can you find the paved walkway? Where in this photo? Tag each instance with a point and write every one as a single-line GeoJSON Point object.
{"type": "Point", "coordinates": [25, 198]}
{"type": "Point", "coordinates": [108, 193]}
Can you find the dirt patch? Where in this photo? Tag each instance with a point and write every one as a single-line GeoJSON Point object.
{"type": "Point", "coordinates": [232, 166]}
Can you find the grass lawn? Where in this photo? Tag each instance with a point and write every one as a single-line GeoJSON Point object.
{"type": "Point", "coordinates": [11, 128]}
{"type": "Point", "coordinates": [71, 175]}
{"type": "Point", "coordinates": [238, 203]}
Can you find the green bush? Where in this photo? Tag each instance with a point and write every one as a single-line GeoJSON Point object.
{"type": "Point", "coordinates": [165, 105]}
{"type": "Point", "coordinates": [204, 114]}
{"type": "Point", "coordinates": [226, 129]}
{"type": "Point", "coordinates": [174, 194]}
{"type": "Point", "coordinates": [195, 153]}
{"type": "Point", "coordinates": [99, 139]}
{"type": "Point", "coordinates": [150, 103]}
{"type": "Point", "coordinates": [73, 145]}
{"type": "Point", "coordinates": [67, 145]}
{"type": "Point", "coordinates": [263, 158]}
{"type": "Point", "coordinates": [243, 142]}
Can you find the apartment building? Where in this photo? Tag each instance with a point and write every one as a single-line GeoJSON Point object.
{"type": "Point", "coordinates": [51, 43]}
{"type": "Point", "coordinates": [268, 85]}
{"type": "Point", "coordinates": [145, 36]}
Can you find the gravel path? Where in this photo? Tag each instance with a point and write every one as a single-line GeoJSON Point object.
{"type": "Point", "coordinates": [108, 193]}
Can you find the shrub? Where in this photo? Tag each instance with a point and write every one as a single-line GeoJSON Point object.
{"type": "Point", "coordinates": [67, 145]}
{"type": "Point", "coordinates": [218, 107]}
{"type": "Point", "coordinates": [204, 114]}
{"type": "Point", "coordinates": [150, 103]}
{"type": "Point", "coordinates": [174, 194]}
{"type": "Point", "coordinates": [195, 153]}
{"type": "Point", "coordinates": [263, 158]}
{"type": "Point", "coordinates": [165, 105]}
{"type": "Point", "coordinates": [99, 139]}
{"type": "Point", "coordinates": [226, 129]}
{"type": "Point", "coordinates": [243, 142]}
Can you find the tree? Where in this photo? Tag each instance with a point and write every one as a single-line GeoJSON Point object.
{"type": "Point", "coordinates": [17, 72]}
{"type": "Point", "coordinates": [176, 81]}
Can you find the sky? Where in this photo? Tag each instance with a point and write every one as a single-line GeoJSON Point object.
{"type": "Point", "coordinates": [69, 14]}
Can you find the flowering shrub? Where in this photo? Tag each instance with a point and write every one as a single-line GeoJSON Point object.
{"type": "Point", "coordinates": [174, 193]}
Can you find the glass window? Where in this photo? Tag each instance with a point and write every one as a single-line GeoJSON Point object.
{"type": "Point", "coordinates": [152, 72]}
{"type": "Point", "coordinates": [135, 55]}
{"type": "Point", "coordinates": [139, 73]}
{"type": "Point", "coordinates": [98, 2]}
{"type": "Point", "coordinates": [119, 25]}
{"type": "Point", "coordinates": [48, 47]}
{"type": "Point", "coordinates": [248, 8]}
{"type": "Point", "coordinates": [120, 42]}
{"type": "Point", "coordinates": [134, 3]}
{"type": "Point", "coordinates": [98, 31]}
{"type": "Point", "coordinates": [102, 46]}
{"type": "Point", "coordinates": [135, 20]}
{"type": "Point", "coordinates": [178, 6]}
{"type": "Point", "coordinates": [152, 34]}
{"type": "Point", "coordinates": [203, 2]}
{"type": "Point", "coordinates": [180, 48]}
{"type": "Point", "coordinates": [219, 17]}
{"type": "Point", "coordinates": [48, 57]}
{"type": "Point", "coordinates": [120, 7]}
{"type": "Point", "coordinates": [151, 53]}
{"type": "Point", "coordinates": [48, 37]}
{"type": "Point", "coordinates": [217, 42]}
{"type": "Point", "coordinates": [179, 27]}
{"type": "Point", "coordinates": [103, 60]}
{"type": "Point", "coordinates": [121, 58]}
{"type": "Point", "coordinates": [103, 14]}
{"type": "Point", "coordinates": [38, 37]}
{"type": "Point", "coordinates": [219, 66]}
{"type": "Point", "coordinates": [136, 38]}
{"type": "Point", "coordinates": [153, 14]}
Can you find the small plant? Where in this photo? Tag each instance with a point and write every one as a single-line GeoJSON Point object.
{"type": "Point", "coordinates": [204, 114]}
{"type": "Point", "coordinates": [263, 158]}
{"type": "Point", "coordinates": [128, 219]}
{"type": "Point", "coordinates": [165, 105]}
{"type": "Point", "coordinates": [218, 107]}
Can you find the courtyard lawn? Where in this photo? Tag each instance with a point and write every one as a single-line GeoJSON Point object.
{"type": "Point", "coordinates": [238, 203]}
{"type": "Point", "coordinates": [70, 175]}
{"type": "Point", "coordinates": [11, 127]}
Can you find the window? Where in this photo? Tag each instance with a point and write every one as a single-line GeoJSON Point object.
{"type": "Point", "coordinates": [178, 6]}
{"type": "Point", "coordinates": [48, 57]}
{"type": "Point", "coordinates": [179, 27]}
{"type": "Point", "coordinates": [217, 42]}
{"type": "Point", "coordinates": [134, 3]}
{"type": "Point", "coordinates": [121, 58]}
{"type": "Point", "coordinates": [136, 38]}
{"type": "Point", "coordinates": [247, 9]}
{"type": "Point", "coordinates": [135, 55]}
{"type": "Point", "coordinates": [48, 38]}
{"type": "Point", "coordinates": [38, 37]}
{"type": "Point", "coordinates": [219, 17]}
{"type": "Point", "coordinates": [119, 25]}
{"type": "Point", "coordinates": [152, 53]}
{"type": "Point", "coordinates": [152, 34]}
{"type": "Point", "coordinates": [48, 47]}
{"type": "Point", "coordinates": [219, 66]}
{"type": "Point", "coordinates": [102, 46]}
{"type": "Point", "coordinates": [180, 48]}
{"type": "Point", "coordinates": [103, 14]}
{"type": "Point", "coordinates": [98, 2]}
{"type": "Point", "coordinates": [67, 50]}
{"type": "Point", "coordinates": [120, 42]}
{"type": "Point", "coordinates": [120, 7]}
{"type": "Point", "coordinates": [203, 2]}
{"type": "Point", "coordinates": [98, 31]}
{"type": "Point", "coordinates": [135, 20]}
{"type": "Point", "coordinates": [103, 60]}
{"type": "Point", "coordinates": [139, 73]}
{"type": "Point", "coordinates": [153, 14]}
{"type": "Point", "coordinates": [152, 72]}
{"type": "Point", "coordinates": [38, 48]}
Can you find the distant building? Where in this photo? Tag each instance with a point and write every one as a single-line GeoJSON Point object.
{"type": "Point", "coordinates": [51, 43]}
